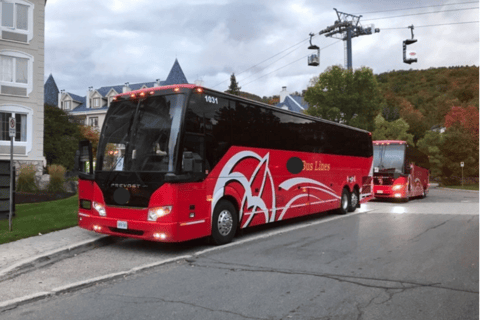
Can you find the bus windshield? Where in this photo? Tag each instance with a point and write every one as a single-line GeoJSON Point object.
{"type": "Point", "coordinates": [141, 135]}
{"type": "Point", "coordinates": [389, 157]}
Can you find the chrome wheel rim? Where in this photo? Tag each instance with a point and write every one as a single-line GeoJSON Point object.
{"type": "Point", "coordinates": [225, 222]}
{"type": "Point", "coordinates": [354, 199]}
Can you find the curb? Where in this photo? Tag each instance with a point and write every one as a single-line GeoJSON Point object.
{"type": "Point", "coordinates": [53, 256]}
{"type": "Point", "coordinates": [14, 303]}
{"type": "Point", "coordinates": [462, 190]}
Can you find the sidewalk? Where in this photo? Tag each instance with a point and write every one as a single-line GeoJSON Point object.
{"type": "Point", "coordinates": [22, 255]}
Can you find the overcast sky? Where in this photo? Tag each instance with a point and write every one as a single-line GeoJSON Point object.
{"type": "Point", "coordinates": [100, 43]}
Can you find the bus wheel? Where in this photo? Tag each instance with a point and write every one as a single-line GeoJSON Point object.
{"type": "Point", "coordinates": [344, 202]}
{"type": "Point", "coordinates": [353, 200]}
{"type": "Point", "coordinates": [224, 222]}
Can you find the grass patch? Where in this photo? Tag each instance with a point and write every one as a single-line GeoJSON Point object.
{"type": "Point", "coordinates": [41, 217]}
{"type": "Point", "coordinates": [465, 187]}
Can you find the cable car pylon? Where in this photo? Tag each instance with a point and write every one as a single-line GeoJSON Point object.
{"type": "Point", "coordinates": [314, 58]}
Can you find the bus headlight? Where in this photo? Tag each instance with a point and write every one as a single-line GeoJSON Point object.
{"type": "Point", "coordinates": [100, 208]}
{"type": "Point", "coordinates": [158, 212]}
{"type": "Point", "coordinates": [397, 187]}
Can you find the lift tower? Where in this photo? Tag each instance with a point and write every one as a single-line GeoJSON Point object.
{"type": "Point", "coordinates": [345, 28]}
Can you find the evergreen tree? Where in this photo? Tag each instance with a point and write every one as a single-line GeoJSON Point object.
{"type": "Point", "coordinates": [233, 88]}
{"type": "Point", "coordinates": [60, 138]}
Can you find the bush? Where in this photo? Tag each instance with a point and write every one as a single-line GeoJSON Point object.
{"type": "Point", "coordinates": [57, 178]}
{"type": "Point", "coordinates": [26, 179]}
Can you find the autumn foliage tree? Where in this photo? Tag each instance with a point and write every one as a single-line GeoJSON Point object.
{"type": "Point", "coordinates": [91, 134]}
{"type": "Point", "coordinates": [461, 142]}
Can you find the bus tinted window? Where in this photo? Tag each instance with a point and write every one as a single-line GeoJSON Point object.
{"type": "Point", "coordinates": [245, 124]}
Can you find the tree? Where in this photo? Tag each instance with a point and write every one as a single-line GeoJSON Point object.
{"type": "Point", "coordinates": [345, 96]}
{"type": "Point", "coordinates": [457, 148]}
{"type": "Point", "coordinates": [394, 130]}
{"type": "Point", "coordinates": [465, 117]}
{"type": "Point", "coordinates": [60, 138]}
{"type": "Point", "coordinates": [461, 143]}
{"type": "Point", "coordinates": [431, 144]}
{"type": "Point", "coordinates": [414, 118]}
{"type": "Point", "coordinates": [91, 134]}
{"type": "Point", "coordinates": [233, 88]}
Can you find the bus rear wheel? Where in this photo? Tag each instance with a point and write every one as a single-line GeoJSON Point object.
{"type": "Point", "coordinates": [224, 222]}
{"type": "Point", "coordinates": [344, 202]}
{"type": "Point", "coordinates": [354, 198]}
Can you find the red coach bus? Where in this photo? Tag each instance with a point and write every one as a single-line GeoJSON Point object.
{"type": "Point", "coordinates": [400, 171]}
{"type": "Point", "coordinates": [181, 162]}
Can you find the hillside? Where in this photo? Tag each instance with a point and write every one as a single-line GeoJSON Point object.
{"type": "Point", "coordinates": [424, 97]}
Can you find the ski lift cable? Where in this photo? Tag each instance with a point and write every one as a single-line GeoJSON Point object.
{"type": "Point", "coordinates": [432, 25]}
{"type": "Point", "coordinates": [417, 14]}
{"type": "Point", "coordinates": [268, 65]}
{"type": "Point", "coordinates": [439, 5]}
{"type": "Point", "coordinates": [289, 64]}
{"type": "Point", "coordinates": [297, 44]}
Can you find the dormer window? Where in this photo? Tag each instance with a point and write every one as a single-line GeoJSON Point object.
{"type": "Point", "coordinates": [96, 102]}
{"type": "Point", "coordinates": [16, 20]}
{"type": "Point", "coordinates": [68, 105]}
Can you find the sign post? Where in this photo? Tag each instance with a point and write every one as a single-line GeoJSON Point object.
{"type": "Point", "coordinates": [462, 165]}
{"type": "Point", "coordinates": [12, 131]}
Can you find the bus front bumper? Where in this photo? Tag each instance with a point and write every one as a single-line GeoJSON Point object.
{"type": "Point", "coordinates": [145, 230]}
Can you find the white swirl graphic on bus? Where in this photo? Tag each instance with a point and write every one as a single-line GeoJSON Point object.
{"type": "Point", "coordinates": [255, 204]}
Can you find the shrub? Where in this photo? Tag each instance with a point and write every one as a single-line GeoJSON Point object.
{"type": "Point", "coordinates": [26, 179]}
{"type": "Point", "coordinates": [57, 178]}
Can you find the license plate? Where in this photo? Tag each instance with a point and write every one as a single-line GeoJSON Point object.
{"type": "Point", "coordinates": [122, 225]}
{"type": "Point", "coordinates": [380, 191]}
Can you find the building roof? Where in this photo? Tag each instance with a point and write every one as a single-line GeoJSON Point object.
{"type": "Point", "coordinates": [50, 92]}
{"type": "Point", "coordinates": [176, 76]}
{"type": "Point", "coordinates": [293, 103]}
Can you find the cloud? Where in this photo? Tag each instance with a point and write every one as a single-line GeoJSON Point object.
{"type": "Point", "coordinates": [91, 43]}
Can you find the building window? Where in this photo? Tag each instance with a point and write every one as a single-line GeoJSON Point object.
{"type": "Point", "coordinates": [16, 72]}
{"type": "Point", "coordinates": [21, 130]}
{"type": "Point", "coordinates": [14, 69]}
{"type": "Point", "coordinates": [96, 102]}
{"type": "Point", "coordinates": [16, 20]}
{"type": "Point", "coordinates": [67, 105]}
{"type": "Point", "coordinates": [93, 122]}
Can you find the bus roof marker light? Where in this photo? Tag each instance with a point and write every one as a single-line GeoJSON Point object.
{"type": "Point", "coordinates": [142, 94]}
{"type": "Point", "coordinates": [199, 90]}
{"type": "Point", "coordinates": [176, 89]}
{"type": "Point", "coordinates": [133, 96]}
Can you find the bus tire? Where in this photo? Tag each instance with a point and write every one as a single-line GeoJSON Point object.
{"type": "Point", "coordinates": [224, 222]}
{"type": "Point", "coordinates": [344, 202]}
{"type": "Point", "coordinates": [354, 200]}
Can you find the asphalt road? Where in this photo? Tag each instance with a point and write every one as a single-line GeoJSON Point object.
{"type": "Point", "coordinates": [415, 260]}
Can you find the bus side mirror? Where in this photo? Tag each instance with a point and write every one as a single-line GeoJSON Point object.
{"type": "Point", "coordinates": [84, 160]}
